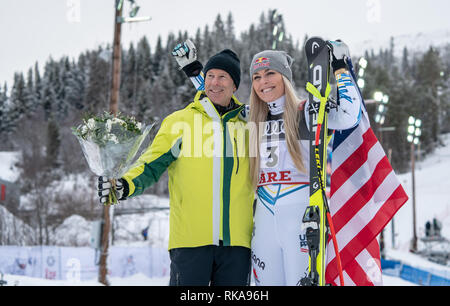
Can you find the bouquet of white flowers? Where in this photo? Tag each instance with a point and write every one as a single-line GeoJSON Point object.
{"type": "Point", "coordinates": [110, 144]}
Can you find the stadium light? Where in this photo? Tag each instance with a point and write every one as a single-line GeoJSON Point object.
{"type": "Point", "coordinates": [383, 100]}
{"type": "Point", "coordinates": [361, 72]}
{"type": "Point", "coordinates": [361, 83]}
{"type": "Point", "coordinates": [414, 129]}
{"type": "Point", "coordinates": [378, 96]}
{"type": "Point", "coordinates": [413, 137]}
{"type": "Point", "coordinates": [277, 32]}
{"type": "Point", "coordinates": [134, 9]}
{"type": "Point", "coordinates": [363, 63]}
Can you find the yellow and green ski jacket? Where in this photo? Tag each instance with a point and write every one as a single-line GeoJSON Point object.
{"type": "Point", "coordinates": [207, 158]}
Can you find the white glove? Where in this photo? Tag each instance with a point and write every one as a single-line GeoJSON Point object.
{"type": "Point", "coordinates": [185, 53]}
{"type": "Point", "coordinates": [104, 189]}
{"type": "Point", "coordinates": [340, 49]}
{"type": "Point", "coordinates": [341, 54]}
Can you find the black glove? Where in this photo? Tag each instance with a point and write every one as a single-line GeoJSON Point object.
{"type": "Point", "coordinates": [340, 54]}
{"type": "Point", "coordinates": [104, 188]}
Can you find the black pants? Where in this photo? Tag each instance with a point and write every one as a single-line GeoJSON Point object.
{"type": "Point", "coordinates": [210, 265]}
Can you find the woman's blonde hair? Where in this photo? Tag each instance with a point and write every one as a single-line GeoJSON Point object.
{"type": "Point", "coordinates": [258, 115]}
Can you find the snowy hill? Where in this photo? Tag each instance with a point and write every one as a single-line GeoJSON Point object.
{"type": "Point", "coordinates": [13, 231]}
{"type": "Point", "coordinates": [417, 42]}
{"type": "Point", "coordinates": [8, 171]}
{"type": "Point", "coordinates": [432, 201]}
{"type": "Point", "coordinates": [76, 230]}
{"type": "Point", "coordinates": [432, 198]}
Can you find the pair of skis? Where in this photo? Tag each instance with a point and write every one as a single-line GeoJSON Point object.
{"type": "Point", "coordinates": [317, 218]}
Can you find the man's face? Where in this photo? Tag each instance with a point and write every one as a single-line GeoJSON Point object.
{"type": "Point", "coordinates": [219, 86]}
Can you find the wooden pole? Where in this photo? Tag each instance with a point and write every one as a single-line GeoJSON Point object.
{"type": "Point", "coordinates": [117, 58]}
{"type": "Point", "coordinates": [113, 108]}
{"type": "Point", "coordinates": [392, 221]}
{"type": "Point", "coordinates": [414, 240]}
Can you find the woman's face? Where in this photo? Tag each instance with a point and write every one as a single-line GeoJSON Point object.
{"type": "Point", "coordinates": [268, 85]}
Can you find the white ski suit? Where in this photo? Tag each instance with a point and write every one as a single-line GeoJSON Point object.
{"type": "Point", "coordinates": [279, 248]}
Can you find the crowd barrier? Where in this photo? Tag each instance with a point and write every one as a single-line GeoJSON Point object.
{"type": "Point", "coordinates": [81, 263]}
{"type": "Point", "coordinates": [415, 275]}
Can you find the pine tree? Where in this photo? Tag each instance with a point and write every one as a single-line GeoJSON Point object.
{"type": "Point", "coordinates": [75, 87]}
{"type": "Point", "coordinates": [30, 97]}
{"type": "Point", "coordinates": [391, 52]}
{"type": "Point", "coordinates": [144, 61]}
{"type": "Point", "coordinates": [37, 85]}
{"type": "Point", "coordinates": [428, 70]}
{"type": "Point", "coordinates": [18, 108]}
{"type": "Point", "coordinates": [406, 69]}
{"type": "Point", "coordinates": [65, 76]}
{"type": "Point", "coordinates": [97, 94]}
{"type": "Point", "coordinates": [130, 79]}
{"type": "Point", "coordinates": [5, 119]}
{"type": "Point", "coordinates": [445, 90]}
{"type": "Point", "coordinates": [58, 88]}
{"type": "Point", "coordinates": [53, 144]}
{"type": "Point", "coordinates": [48, 94]}
{"type": "Point", "coordinates": [300, 65]}
{"type": "Point", "coordinates": [229, 31]}
{"type": "Point", "coordinates": [157, 57]}
{"type": "Point", "coordinates": [219, 31]}
{"type": "Point", "coordinates": [3, 124]}
{"type": "Point", "coordinates": [208, 47]}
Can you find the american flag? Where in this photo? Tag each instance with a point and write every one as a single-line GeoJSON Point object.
{"type": "Point", "coordinates": [364, 196]}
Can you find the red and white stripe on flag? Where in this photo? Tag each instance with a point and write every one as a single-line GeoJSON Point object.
{"type": "Point", "coordinates": [364, 196]}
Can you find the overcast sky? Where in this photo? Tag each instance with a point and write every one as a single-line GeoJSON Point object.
{"type": "Point", "coordinates": [33, 30]}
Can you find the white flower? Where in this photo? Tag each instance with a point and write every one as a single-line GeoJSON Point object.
{"type": "Point", "coordinates": [139, 126]}
{"type": "Point", "coordinates": [108, 125]}
{"type": "Point", "coordinates": [84, 129]}
{"type": "Point", "coordinates": [91, 124]}
{"type": "Point", "coordinates": [117, 120]}
{"type": "Point", "coordinates": [113, 138]}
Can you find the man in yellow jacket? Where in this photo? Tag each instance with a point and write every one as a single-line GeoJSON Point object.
{"type": "Point", "coordinates": [204, 147]}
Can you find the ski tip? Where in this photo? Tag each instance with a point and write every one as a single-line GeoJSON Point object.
{"type": "Point", "coordinates": [315, 38]}
{"type": "Point", "coordinates": [314, 46]}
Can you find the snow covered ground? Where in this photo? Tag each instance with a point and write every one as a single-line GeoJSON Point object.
{"type": "Point", "coordinates": [432, 201]}
{"type": "Point", "coordinates": [8, 171]}
{"type": "Point", "coordinates": [135, 280]}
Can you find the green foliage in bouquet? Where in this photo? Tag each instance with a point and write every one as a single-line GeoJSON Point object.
{"type": "Point", "coordinates": [108, 128]}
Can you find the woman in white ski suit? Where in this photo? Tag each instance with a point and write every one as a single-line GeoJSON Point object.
{"type": "Point", "coordinates": [280, 166]}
